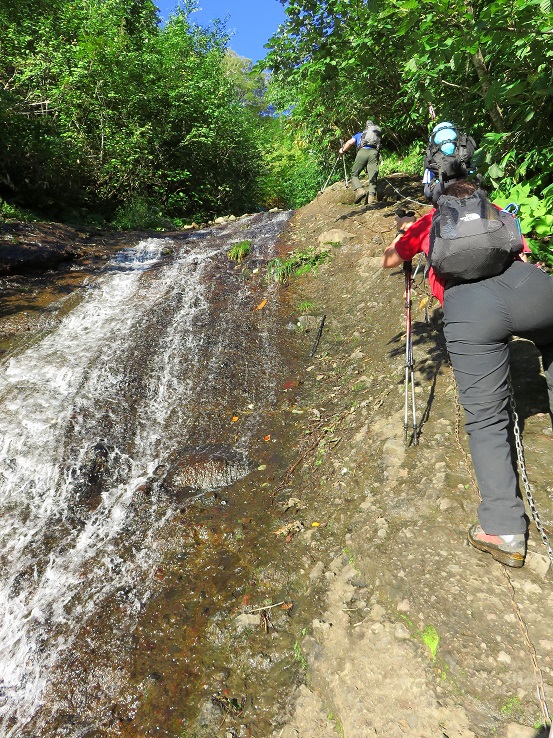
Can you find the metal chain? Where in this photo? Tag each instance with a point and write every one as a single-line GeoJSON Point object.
{"type": "Point", "coordinates": [540, 686]}
{"type": "Point", "coordinates": [466, 458]}
{"type": "Point", "coordinates": [403, 197]}
{"type": "Point", "coordinates": [524, 476]}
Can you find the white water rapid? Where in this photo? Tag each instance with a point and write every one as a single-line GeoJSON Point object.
{"type": "Point", "coordinates": [91, 416]}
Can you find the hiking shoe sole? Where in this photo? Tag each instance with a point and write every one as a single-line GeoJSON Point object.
{"type": "Point", "coordinates": [514, 559]}
{"type": "Point", "coordinates": [359, 195]}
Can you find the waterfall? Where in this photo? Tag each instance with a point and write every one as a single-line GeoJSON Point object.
{"type": "Point", "coordinates": [129, 398]}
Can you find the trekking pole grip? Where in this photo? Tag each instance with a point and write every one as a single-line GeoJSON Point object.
{"type": "Point", "coordinates": [408, 266]}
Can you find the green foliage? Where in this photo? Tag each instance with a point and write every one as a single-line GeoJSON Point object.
{"type": "Point", "coordinates": [486, 66]}
{"type": "Point", "coordinates": [295, 264]}
{"type": "Point", "coordinates": [291, 171]}
{"type": "Point", "coordinates": [250, 83]}
{"type": "Point", "coordinates": [406, 160]}
{"type": "Point", "coordinates": [138, 213]}
{"type": "Point", "coordinates": [133, 113]}
{"type": "Point", "coordinates": [239, 251]}
{"type": "Point", "coordinates": [12, 212]}
{"type": "Point", "coordinates": [431, 638]}
{"type": "Point", "coordinates": [305, 307]}
{"type": "Point", "coordinates": [142, 122]}
{"type": "Point", "coordinates": [535, 218]}
{"type": "Point", "coordinates": [299, 657]}
{"type": "Point", "coordinates": [511, 707]}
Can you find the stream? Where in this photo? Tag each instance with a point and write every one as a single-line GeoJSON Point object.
{"type": "Point", "coordinates": [134, 430]}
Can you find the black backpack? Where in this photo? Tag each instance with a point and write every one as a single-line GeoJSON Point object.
{"type": "Point", "coordinates": [449, 157]}
{"type": "Point", "coordinates": [371, 136]}
{"type": "Point", "coordinates": [470, 239]}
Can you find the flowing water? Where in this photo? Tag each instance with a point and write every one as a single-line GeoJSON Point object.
{"type": "Point", "coordinates": [151, 393]}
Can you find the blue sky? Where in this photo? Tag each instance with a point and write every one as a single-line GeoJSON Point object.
{"type": "Point", "coordinates": [254, 21]}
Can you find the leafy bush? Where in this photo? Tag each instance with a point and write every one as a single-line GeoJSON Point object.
{"type": "Point", "coordinates": [136, 113]}
{"type": "Point", "coordinates": [139, 214]}
{"type": "Point", "coordinates": [536, 218]}
{"type": "Point", "coordinates": [12, 212]}
{"type": "Point", "coordinates": [407, 161]}
{"type": "Point", "coordinates": [450, 57]}
{"type": "Point", "coordinates": [292, 173]}
{"type": "Point", "coordinates": [295, 264]}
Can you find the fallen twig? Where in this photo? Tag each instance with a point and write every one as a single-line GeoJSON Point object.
{"type": "Point", "coordinates": [266, 607]}
{"type": "Point", "coordinates": [318, 336]}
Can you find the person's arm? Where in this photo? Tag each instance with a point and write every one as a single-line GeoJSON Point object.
{"type": "Point", "coordinates": [349, 143]}
{"type": "Point", "coordinates": [390, 257]}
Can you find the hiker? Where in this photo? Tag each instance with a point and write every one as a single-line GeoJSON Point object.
{"type": "Point", "coordinates": [368, 143]}
{"type": "Point", "coordinates": [479, 317]}
{"type": "Point", "coordinates": [447, 159]}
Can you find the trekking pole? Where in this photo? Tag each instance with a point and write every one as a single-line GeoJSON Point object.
{"type": "Point", "coordinates": [343, 159]}
{"type": "Point", "coordinates": [330, 175]}
{"type": "Point", "coordinates": [409, 359]}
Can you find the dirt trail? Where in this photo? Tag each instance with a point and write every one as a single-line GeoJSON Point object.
{"type": "Point", "coordinates": [417, 635]}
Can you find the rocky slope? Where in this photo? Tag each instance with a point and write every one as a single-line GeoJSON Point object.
{"type": "Point", "coordinates": [402, 629]}
{"type": "Point", "coordinates": [419, 635]}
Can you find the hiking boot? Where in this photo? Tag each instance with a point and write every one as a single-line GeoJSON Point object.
{"type": "Point", "coordinates": [359, 195]}
{"type": "Point", "coordinates": [507, 549]}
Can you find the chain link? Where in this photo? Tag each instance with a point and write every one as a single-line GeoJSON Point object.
{"type": "Point", "coordinates": [524, 475]}
{"type": "Point", "coordinates": [540, 686]}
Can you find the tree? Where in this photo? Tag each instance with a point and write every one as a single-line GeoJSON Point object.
{"type": "Point", "coordinates": [484, 65]}
{"type": "Point", "coordinates": [132, 112]}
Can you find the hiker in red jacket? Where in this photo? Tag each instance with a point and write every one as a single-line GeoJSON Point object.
{"type": "Point", "coordinates": [479, 317]}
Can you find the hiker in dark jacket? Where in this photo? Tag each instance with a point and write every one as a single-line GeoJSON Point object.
{"type": "Point", "coordinates": [367, 143]}
{"type": "Point", "coordinates": [479, 318]}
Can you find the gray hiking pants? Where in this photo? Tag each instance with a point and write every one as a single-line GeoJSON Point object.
{"type": "Point", "coordinates": [365, 159]}
{"type": "Point", "coordinates": [479, 318]}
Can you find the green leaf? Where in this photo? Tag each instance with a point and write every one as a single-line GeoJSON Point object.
{"type": "Point", "coordinates": [495, 171]}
